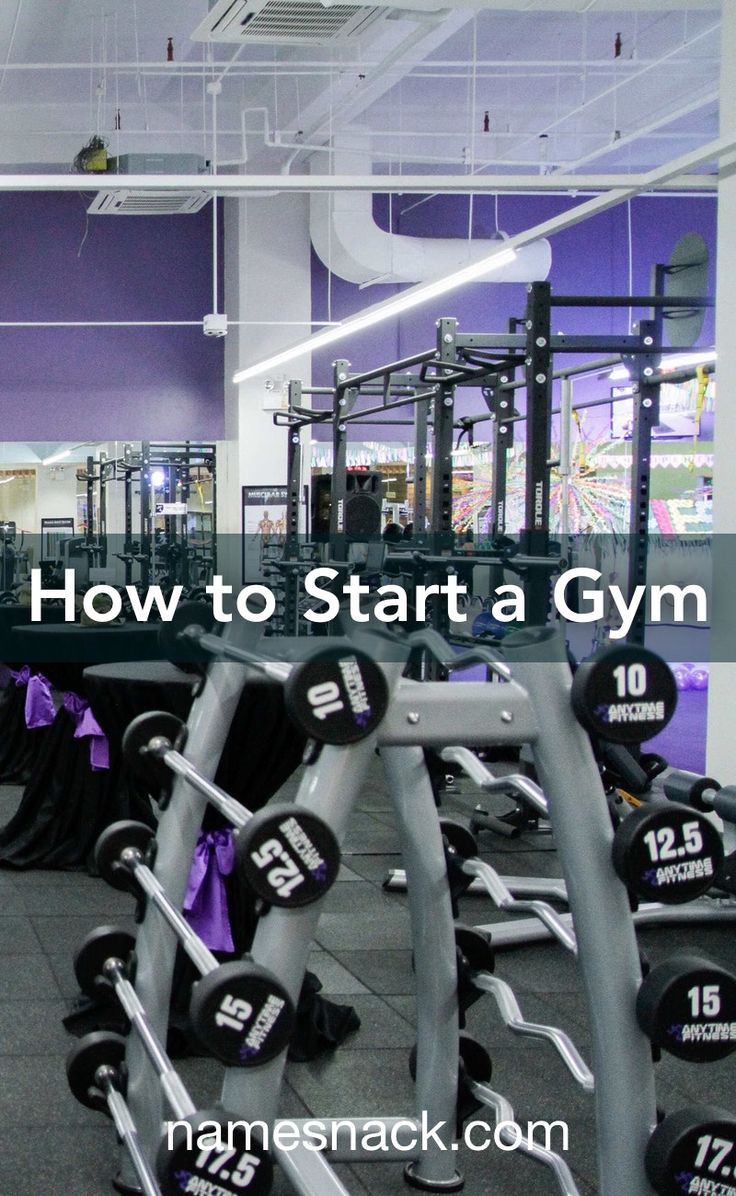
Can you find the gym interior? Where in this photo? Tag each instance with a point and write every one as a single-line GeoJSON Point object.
{"type": "Point", "coordinates": [367, 791]}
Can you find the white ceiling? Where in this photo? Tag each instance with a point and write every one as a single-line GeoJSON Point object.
{"type": "Point", "coordinates": [417, 88]}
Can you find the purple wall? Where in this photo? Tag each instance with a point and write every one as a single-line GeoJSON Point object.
{"type": "Point", "coordinates": [590, 258]}
{"type": "Point", "coordinates": [106, 383]}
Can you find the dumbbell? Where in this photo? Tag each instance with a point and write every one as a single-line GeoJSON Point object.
{"type": "Point", "coordinates": [687, 1006]}
{"type": "Point", "coordinates": [239, 1011]}
{"type": "Point", "coordinates": [668, 852]}
{"type": "Point", "coordinates": [624, 694]}
{"type": "Point", "coordinates": [702, 793]}
{"type": "Point", "coordinates": [288, 855]}
{"type": "Point", "coordinates": [338, 696]}
{"type": "Point", "coordinates": [693, 1150]}
{"type": "Point", "coordinates": [96, 1075]}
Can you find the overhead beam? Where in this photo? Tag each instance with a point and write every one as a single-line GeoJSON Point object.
{"type": "Point", "coordinates": [463, 184]}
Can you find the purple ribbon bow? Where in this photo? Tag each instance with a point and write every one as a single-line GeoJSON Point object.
{"type": "Point", "coordinates": [86, 725]}
{"type": "Point", "coordinates": [40, 709]}
{"type": "Point", "coordinates": [21, 676]}
{"type": "Point", "coordinates": [205, 903]}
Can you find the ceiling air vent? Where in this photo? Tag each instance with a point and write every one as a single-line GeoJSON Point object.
{"type": "Point", "coordinates": [147, 203]}
{"type": "Point", "coordinates": [289, 22]}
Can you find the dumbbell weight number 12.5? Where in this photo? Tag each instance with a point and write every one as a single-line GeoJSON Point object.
{"type": "Point", "coordinates": [284, 878]}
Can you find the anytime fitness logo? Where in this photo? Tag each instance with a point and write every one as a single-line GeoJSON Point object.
{"type": "Point", "coordinates": [630, 712]}
{"type": "Point", "coordinates": [355, 689]}
{"type": "Point", "coordinates": [304, 848]}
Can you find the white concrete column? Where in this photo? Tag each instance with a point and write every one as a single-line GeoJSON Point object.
{"type": "Point", "coordinates": [267, 278]}
{"type": "Point", "coordinates": [721, 757]}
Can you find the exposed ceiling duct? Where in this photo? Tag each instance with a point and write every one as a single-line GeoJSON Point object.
{"type": "Point", "coordinates": [348, 241]}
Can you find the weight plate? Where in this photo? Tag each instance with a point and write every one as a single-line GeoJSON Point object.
{"type": "Point", "coordinates": [667, 852]}
{"type": "Point", "coordinates": [218, 1158]}
{"type": "Point", "coordinates": [148, 768]}
{"type": "Point", "coordinates": [475, 947]}
{"type": "Point", "coordinates": [475, 1062]}
{"type": "Point", "coordinates": [288, 855]}
{"type": "Point", "coordinates": [112, 843]}
{"type": "Point", "coordinates": [179, 647]}
{"type": "Point", "coordinates": [242, 1014]}
{"type": "Point", "coordinates": [688, 787]}
{"type": "Point", "coordinates": [625, 694]}
{"type": "Point", "coordinates": [693, 1151]}
{"type": "Point", "coordinates": [101, 944]}
{"type": "Point", "coordinates": [459, 838]}
{"type": "Point", "coordinates": [338, 696]}
{"type": "Point", "coordinates": [99, 1049]}
{"type": "Point", "coordinates": [687, 1006]}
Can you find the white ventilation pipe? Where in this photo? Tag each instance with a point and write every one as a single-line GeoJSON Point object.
{"type": "Point", "coordinates": [348, 241]}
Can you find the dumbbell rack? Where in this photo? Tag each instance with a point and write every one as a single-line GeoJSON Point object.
{"type": "Point", "coordinates": [603, 938]}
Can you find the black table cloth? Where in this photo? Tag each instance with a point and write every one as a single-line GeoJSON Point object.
{"type": "Point", "coordinates": [66, 804]}
{"type": "Point", "coordinates": [18, 745]}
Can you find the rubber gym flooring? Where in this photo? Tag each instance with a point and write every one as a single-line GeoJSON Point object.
{"type": "Point", "coordinates": [52, 1146]}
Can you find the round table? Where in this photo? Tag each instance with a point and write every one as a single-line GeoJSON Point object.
{"type": "Point", "coordinates": [63, 651]}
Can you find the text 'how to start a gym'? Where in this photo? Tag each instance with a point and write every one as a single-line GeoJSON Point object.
{"type": "Point", "coordinates": [388, 603]}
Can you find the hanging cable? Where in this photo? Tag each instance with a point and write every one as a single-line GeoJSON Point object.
{"type": "Point", "coordinates": [631, 257]}
{"type": "Point", "coordinates": [13, 32]}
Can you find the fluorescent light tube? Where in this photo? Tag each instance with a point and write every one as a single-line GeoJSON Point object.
{"type": "Point", "coordinates": [382, 311]}
{"type": "Point", "coordinates": [57, 457]}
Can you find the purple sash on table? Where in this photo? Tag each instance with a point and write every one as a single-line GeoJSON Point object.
{"type": "Point", "coordinates": [205, 903]}
{"type": "Point", "coordinates": [40, 709]}
{"type": "Point", "coordinates": [86, 725]}
{"type": "Point", "coordinates": [39, 706]}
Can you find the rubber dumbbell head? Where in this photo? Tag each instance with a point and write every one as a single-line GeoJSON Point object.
{"type": "Point", "coordinates": [101, 944]}
{"type": "Point", "coordinates": [145, 765]}
{"type": "Point", "coordinates": [337, 696]}
{"type": "Point", "coordinates": [666, 852]}
{"type": "Point", "coordinates": [99, 1049]}
{"type": "Point", "coordinates": [288, 855]}
{"type": "Point", "coordinates": [113, 841]}
{"type": "Point", "coordinates": [242, 1014]}
{"type": "Point", "coordinates": [625, 694]}
{"type": "Point", "coordinates": [687, 1006]}
{"type": "Point", "coordinates": [211, 1152]}
{"type": "Point", "coordinates": [699, 1143]}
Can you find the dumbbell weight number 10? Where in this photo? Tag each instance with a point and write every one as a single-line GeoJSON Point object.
{"type": "Point", "coordinates": [240, 1176]}
{"type": "Point", "coordinates": [661, 843]}
{"type": "Point", "coordinates": [325, 699]}
{"type": "Point", "coordinates": [631, 680]}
